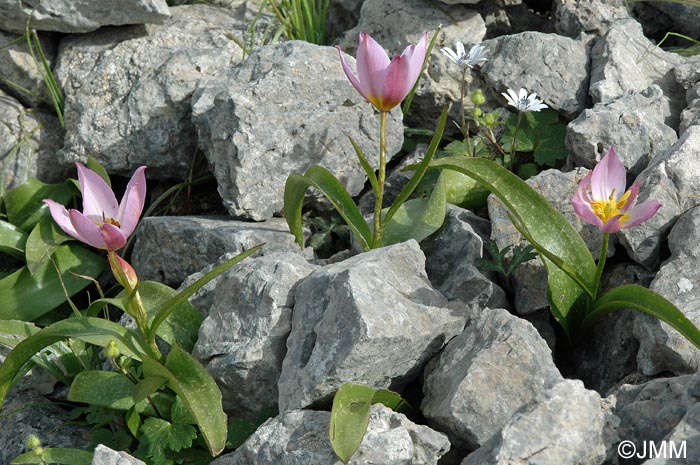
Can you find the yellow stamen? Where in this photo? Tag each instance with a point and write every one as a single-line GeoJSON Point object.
{"type": "Point", "coordinates": [606, 209]}
{"type": "Point", "coordinates": [111, 221]}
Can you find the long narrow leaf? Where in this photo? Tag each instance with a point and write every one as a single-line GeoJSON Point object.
{"type": "Point", "coordinates": [367, 167]}
{"type": "Point", "coordinates": [323, 180]}
{"type": "Point", "coordinates": [91, 330]}
{"type": "Point", "coordinates": [647, 301]}
{"type": "Point", "coordinates": [551, 230]}
{"type": "Point", "coordinates": [62, 456]}
{"type": "Point", "coordinates": [420, 171]}
{"type": "Point", "coordinates": [171, 305]}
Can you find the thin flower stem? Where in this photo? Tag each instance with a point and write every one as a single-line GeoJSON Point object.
{"type": "Point", "coordinates": [464, 127]}
{"type": "Point", "coordinates": [601, 264]}
{"type": "Point", "coordinates": [492, 140]}
{"type": "Point", "coordinates": [377, 234]}
{"type": "Point", "coordinates": [509, 163]}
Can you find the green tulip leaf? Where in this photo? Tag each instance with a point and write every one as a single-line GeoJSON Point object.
{"type": "Point", "coordinates": [647, 301]}
{"type": "Point", "coordinates": [24, 203]}
{"type": "Point", "coordinates": [349, 419]}
{"type": "Point", "coordinates": [197, 389]}
{"type": "Point", "coordinates": [544, 224]}
{"type": "Point", "coordinates": [395, 402]}
{"type": "Point", "coordinates": [104, 389]}
{"type": "Point", "coordinates": [173, 303]}
{"type": "Point", "coordinates": [12, 240]}
{"type": "Point", "coordinates": [323, 180]}
{"type": "Point", "coordinates": [27, 297]}
{"type": "Point", "coordinates": [91, 330]}
{"type": "Point", "coordinates": [63, 456]}
{"type": "Point", "coordinates": [417, 218]}
{"type": "Point", "coordinates": [369, 171]}
{"type": "Point", "coordinates": [42, 242]}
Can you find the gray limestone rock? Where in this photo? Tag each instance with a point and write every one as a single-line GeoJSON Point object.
{"type": "Point", "coordinates": [128, 90]}
{"type": "Point", "coordinates": [690, 116]}
{"type": "Point", "coordinates": [103, 455]}
{"type": "Point", "coordinates": [79, 16]}
{"type": "Point", "coordinates": [300, 437]}
{"type": "Point", "coordinates": [28, 144]}
{"type": "Point", "coordinates": [685, 17]}
{"type": "Point", "coordinates": [608, 352]}
{"type": "Point", "coordinates": [633, 124]}
{"type": "Point", "coordinates": [553, 66]}
{"type": "Point", "coordinates": [565, 426]}
{"type": "Point", "coordinates": [286, 107]}
{"type": "Point", "coordinates": [662, 348]}
{"type": "Point", "coordinates": [688, 76]}
{"type": "Point", "coordinates": [498, 364]}
{"type": "Point", "coordinates": [19, 68]}
{"type": "Point", "coordinates": [396, 23]}
{"type": "Point", "coordinates": [651, 411]}
{"type": "Point", "coordinates": [242, 342]}
{"type": "Point", "coordinates": [683, 437]}
{"type": "Point", "coordinates": [673, 178]}
{"type": "Point", "coordinates": [372, 319]}
{"type": "Point", "coordinates": [529, 280]}
{"type": "Point", "coordinates": [450, 260]}
{"type": "Point", "coordinates": [26, 412]}
{"type": "Point", "coordinates": [169, 248]}
{"type": "Point", "coordinates": [572, 17]}
{"type": "Point", "coordinates": [624, 60]}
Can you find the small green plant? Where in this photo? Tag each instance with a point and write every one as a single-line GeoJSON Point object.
{"type": "Point", "coordinates": [254, 37]}
{"type": "Point", "coordinates": [303, 19]}
{"type": "Point", "coordinates": [498, 261]}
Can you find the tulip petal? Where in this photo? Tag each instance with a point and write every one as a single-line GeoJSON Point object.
{"type": "Point", "coordinates": [98, 199]}
{"type": "Point", "coordinates": [416, 57]}
{"type": "Point", "coordinates": [61, 217]}
{"type": "Point", "coordinates": [351, 75]}
{"type": "Point", "coordinates": [397, 84]}
{"type": "Point", "coordinates": [642, 212]}
{"type": "Point", "coordinates": [634, 191]}
{"type": "Point", "coordinates": [612, 225]}
{"type": "Point", "coordinates": [86, 230]}
{"type": "Point", "coordinates": [583, 209]}
{"type": "Point", "coordinates": [608, 175]}
{"type": "Point", "coordinates": [133, 201]}
{"type": "Point", "coordinates": [372, 66]}
{"type": "Point", "coordinates": [112, 236]}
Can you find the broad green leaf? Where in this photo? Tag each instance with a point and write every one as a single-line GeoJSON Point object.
{"type": "Point", "coordinates": [104, 389]}
{"type": "Point", "coordinates": [42, 242]}
{"type": "Point", "coordinates": [182, 325]}
{"type": "Point", "coordinates": [133, 421]}
{"type": "Point", "coordinates": [91, 330]}
{"type": "Point", "coordinates": [26, 297]}
{"type": "Point", "coordinates": [541, 133]}
{"type": "Point", "coordinates": [419, 172]}
{"type": "Point", "coordinates": [12, 332]}
{"type": "Point", "coordinates": [24, 203]}
{"type": "Point", "coordinates": [647, 301]}
{"type": "Point", "coordinates": [55, 455]}
{"type": "Point", "coordinates": [349, 419]}
{"type": "Point", "coordinates": [162, 434]}
{"type": "Point", "coordinates": [395, 402]}
{"type": "Point", "coordinates": [545, 225]}
{"type": "Point", "coordinates": [168, 307]}
{"type": "Point", "coordinates": [197, 389]}
{"type": "Point", "coordinates": [463, 191]}
{"type": "Point", "coordinates": [147, 386]}
{"type": "Point", "coordinates": [12, 240]}
{"type": "Point", "coordinates": [323, 180]}
{"type": "Point", "coordinates": [417, 218]}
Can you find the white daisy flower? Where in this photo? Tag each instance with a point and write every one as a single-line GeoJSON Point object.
{"type": "Point", "coordinates": [476, 56]}
{"type": "Point", "coordinates": [523, 102]}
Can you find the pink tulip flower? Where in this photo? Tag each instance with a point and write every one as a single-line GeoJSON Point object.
{"type": "Point", "coordinates": [602, 200]}
{"type": "Point", "coordinates": [383, 82]}
{"type": "Point", "coordinates": [104, 223]}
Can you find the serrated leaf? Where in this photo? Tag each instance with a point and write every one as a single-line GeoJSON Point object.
{"type": "Point", "coordinates": [155, 434]}
{"type": "Point", "coordinates": [197, 389]}
{"type": "Point", "coordinates": [349, 419]}
{"type": "Point", "coordinates": [541, 133]}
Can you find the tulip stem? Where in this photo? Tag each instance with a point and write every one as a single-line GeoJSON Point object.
{"type": "Point", "coordinates": [601, 264]}
{"type": "Point", "coordinates": [377, 234]}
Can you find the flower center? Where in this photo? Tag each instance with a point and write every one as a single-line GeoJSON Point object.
{"type": "Point", "coordinates": [524, 102]}
{"type": "Point", "coordinates": [111, 221]}
{"type": "Point", "coordinates": [610, 208]}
